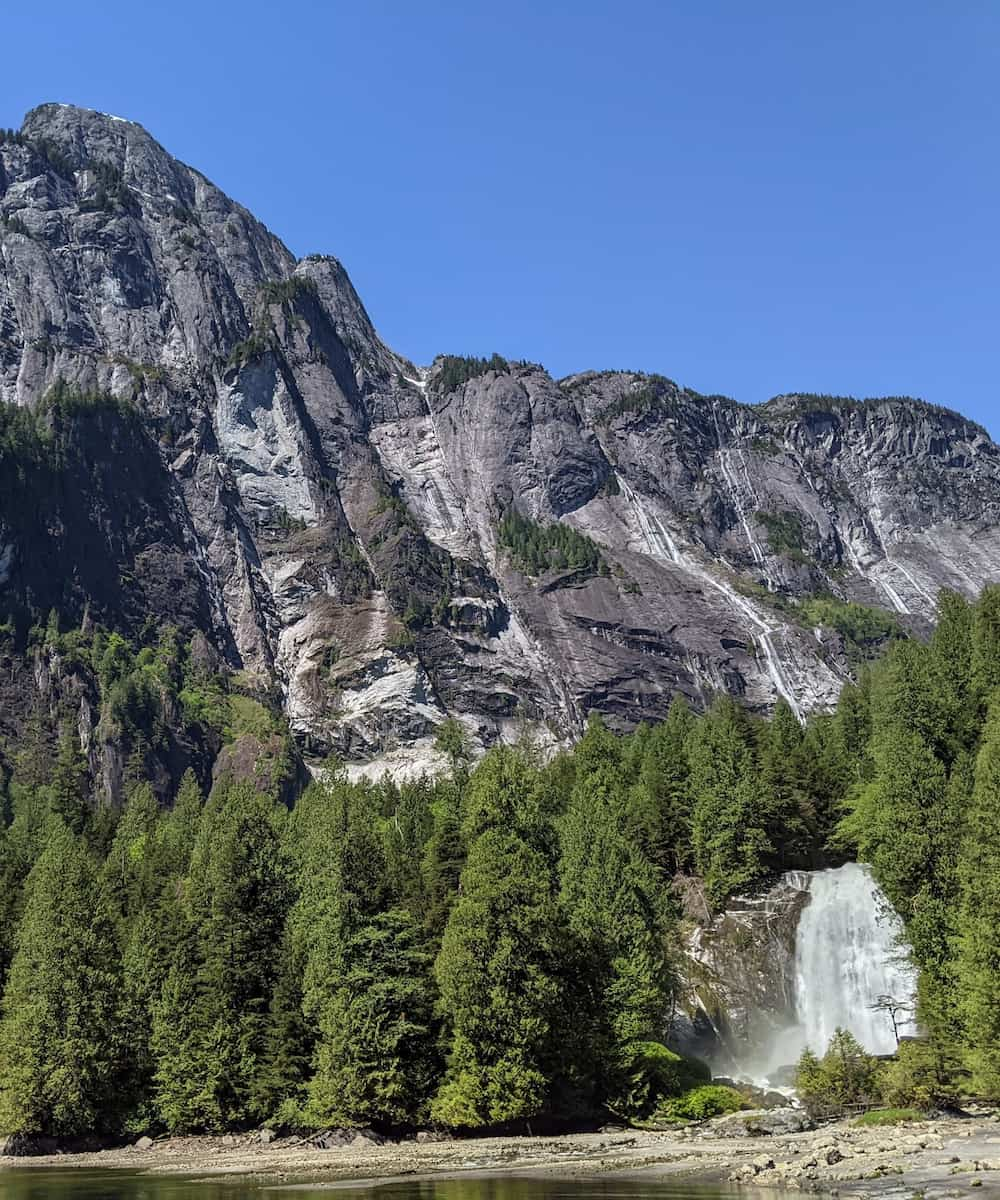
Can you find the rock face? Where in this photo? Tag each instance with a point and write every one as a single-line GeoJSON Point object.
{"type": "Point", "coordinates": [328, 515]}
{"type": "Point", "coordinates": [739, 985]}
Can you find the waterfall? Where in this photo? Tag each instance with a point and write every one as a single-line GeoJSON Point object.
{"type": "Point", "coordinates": [843, 954]}
{"type": "Point", "coordinates": [849, 953]}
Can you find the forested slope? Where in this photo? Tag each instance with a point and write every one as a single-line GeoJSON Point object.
{"type": "Point", "coordinates": [491, 946]}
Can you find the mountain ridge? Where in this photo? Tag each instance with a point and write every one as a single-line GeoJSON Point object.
{"type": "Point", "coordinates": [330, 517]}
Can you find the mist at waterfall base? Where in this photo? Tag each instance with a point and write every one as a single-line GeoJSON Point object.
{"type": "Point", "coordinates": [850, 951]}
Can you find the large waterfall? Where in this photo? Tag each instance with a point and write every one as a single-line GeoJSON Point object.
{"type": "Point", "coordinates": [849, 956]}
{"type": "Point", "coordinates": [782, 969]}
{"type": "Point", "coordinates": [829, 953]}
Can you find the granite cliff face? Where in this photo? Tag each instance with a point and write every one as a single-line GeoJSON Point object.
{"type": "Point", "coordinates": [328, 515]}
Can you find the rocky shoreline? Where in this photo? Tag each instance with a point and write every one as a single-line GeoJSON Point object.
{"type": "Point", "coordinates": [932, 1159]}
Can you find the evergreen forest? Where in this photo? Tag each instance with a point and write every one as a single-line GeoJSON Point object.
{"type": "Point", "coordinates": [497, 945]}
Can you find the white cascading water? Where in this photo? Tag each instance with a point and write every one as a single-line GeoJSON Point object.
{"type": "Point", "coordinates": [849, 955]}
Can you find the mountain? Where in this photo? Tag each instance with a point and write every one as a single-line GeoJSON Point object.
{"type": "Point", "coordinates": [200, 430]}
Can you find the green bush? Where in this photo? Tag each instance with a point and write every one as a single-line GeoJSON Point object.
{"type": "Point", "coordinates": [888, 1116]}
{"type": "Point", "coordinates": [249, 718]}
{"type": "Point", "coordinates": [845, 1076]}
{"type": "Point", "coordinates": [864, 630]}
{"type": "Point", "coordinates": [923, 1075]}
{"type": "Point", "coordinates": [650, 1072]}
{"type": "Point", "coordinates": [785, 534]}
{"type": "Point", "coordinates": [700, 1103]}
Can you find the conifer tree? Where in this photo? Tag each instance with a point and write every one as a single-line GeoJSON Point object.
{"type": "Point", "coordinates": [498, 990]}
{"type": "Point", "coordinates": [63, 1066]}
{"type": "Point", "coordinates": [612, 905]}
{"type": "Point", "coordinates": [225, 969]}
{"type": "Point", "coordinates": [985, 658]}
{"type": "Point", "coordinates": [375, 1058]}
{"type": "Point", "coordinates": [496, 969]}
{"type": "Point", "coordinates": [979, 917]}
{"type": "Point", "coordinates": [897, 822]}
{"type": "Point", "coordinates": [660, 799]}
{"type": "Point", "coordinates": [729, 814]}
{"type": "Point", "coordinates": [69, 781]}
{"type": "Point", "coordinates": [126, 871]}
{"type": "Point", "coordinates": [21, 843]}
{"type": "Point", "coordinates": [443, 856]}
{"type": "Point", "coordinates": [786, 779]}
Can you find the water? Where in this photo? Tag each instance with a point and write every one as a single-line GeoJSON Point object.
{"type": "Point", "coordinates": [75, 1184]}
{"type": "Point", "coordinates": [849, 955]}
{"type": "Point", "coordinates": [660, 544]}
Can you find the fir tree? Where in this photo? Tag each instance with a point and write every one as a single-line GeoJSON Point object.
{"type": "Point", "coordinates": [788, 785]}
{"type": "Point", "coordinates": [69, 781]}
{"type": "Point", "coordinates": [979, 917]}
{"type": "Point", "coordinates": [729, 816]}
{"type": "Point", "coordinates": [63, 1066]}
{"type": "Point", "coordinates": [375, 1056]}
{"type": "Point", "coordinates": [612, 905]}
{"type": "Point", "coordinates": [225, 969]}
{"type": "Point", "coordinates": [498, 991]}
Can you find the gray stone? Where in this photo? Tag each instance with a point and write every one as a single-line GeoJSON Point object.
{"type": "Point", "coordinates": [759, 1123]}
{"type": "Point", "coordinates": [143, 1143]}
{"type": "Point", "coordinates": [23, 1145]}
{"type": "Point", "coordinates": [274, 423]}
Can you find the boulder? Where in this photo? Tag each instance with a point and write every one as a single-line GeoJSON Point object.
{"type": "Point", "coordinates": [23, 1145]}
{"type": "Point", "coordinates": [761, 1122]}
{"type": "Point", "coordinates": [144, 1143]}
{"type": "Point", "coordinates": [333, 1139]}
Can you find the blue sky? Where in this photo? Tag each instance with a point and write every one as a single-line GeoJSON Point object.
{"type": "Point", "coordinates": [748, 197]}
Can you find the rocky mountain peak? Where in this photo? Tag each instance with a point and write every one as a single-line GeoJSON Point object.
{"type": "Point", "coordinates": [387, 546]}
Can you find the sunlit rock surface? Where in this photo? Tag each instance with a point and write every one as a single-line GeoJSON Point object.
{"type": "Point", "coordinates": [327, 513]}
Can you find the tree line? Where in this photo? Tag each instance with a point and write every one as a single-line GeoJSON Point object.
{"type": "Point", "coordinates": [496, 945]}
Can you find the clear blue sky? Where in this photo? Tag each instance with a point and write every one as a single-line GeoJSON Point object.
{"type": "Point", "coordinates": [749, 197]}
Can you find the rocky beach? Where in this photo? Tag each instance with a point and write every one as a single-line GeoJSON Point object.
{"type": "Point", "coordinates": [942, 1157]}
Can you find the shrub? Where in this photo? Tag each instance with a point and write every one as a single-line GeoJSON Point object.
{"type": "Point", "coordinates": [922, 1075]}
{"type": "Point", "coordinates": [785, 534]}
{"type": "Point", "coordinates": [249, 718]}
{"type": "Point", "coordinates": [649, 1073]}
{"type": "Point", "coordinates": [888, 1116]}
{"type": "Point", "coordinates": [845, 1076]}
{"type": "Point", "coordinates": [863, 629]}
{"type": "Point", "coordinates": [700, 1103]}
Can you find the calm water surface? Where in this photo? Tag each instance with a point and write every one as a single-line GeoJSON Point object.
{"type": "Point", "coordinates": [75, 1184]}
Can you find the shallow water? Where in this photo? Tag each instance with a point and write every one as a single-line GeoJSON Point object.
{"type": "Point", "coordinates": [76, 1184]}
